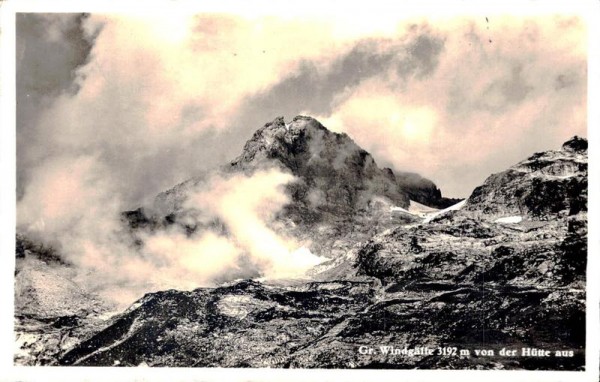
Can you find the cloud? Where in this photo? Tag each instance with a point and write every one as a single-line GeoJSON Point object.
{"type": "Point", "coordinates": [156, 97]}
{"type": "Point", "coordinates": [65, 192]}
{"type": "Point", "coordinates": [496, 94]}
{"type": "Point", "coordinates": [66, 207]}
{"type": "Point", "coordinates": [315, 89]}
{"type": "Point", "coordinates": [162, 98]}
{"type": "Point", "coordinates": [49, 48]}
{"type": "Point", "coordinates": [248, 206]}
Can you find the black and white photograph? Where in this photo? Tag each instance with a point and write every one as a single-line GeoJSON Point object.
{"type": "Point", "coordinates": [335, 187]}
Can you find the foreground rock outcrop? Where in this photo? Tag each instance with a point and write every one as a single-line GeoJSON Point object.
{"type": "Point", "coordinates": [455, 283]}
{"type": "Point", "coordinates": [52, 312]}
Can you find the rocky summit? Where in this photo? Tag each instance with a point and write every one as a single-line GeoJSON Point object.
{"type": "Point", "coordinates": [544, 185]}
{"type": "Point", "coordinates": [335, 178]}
{"type": "Point", "coordinates": [339, 195]}
{"type": "Point", "coordinates": [496, 281]}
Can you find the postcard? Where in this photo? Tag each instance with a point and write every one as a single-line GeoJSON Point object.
{"type": "Point", "coordinates": [373, 190]}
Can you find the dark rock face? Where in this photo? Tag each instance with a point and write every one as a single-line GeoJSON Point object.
{"type": "Point", "coordinates": [576, 145]}
{"type": "Point", "coordinates": [246, 324]}
{"type": "Point", "coordinates": [546, 184]}
{"type": "Point", "coordinates": [25, 247]}
{"type": "Point", "coordinates": [518, 285]}
{"type": "Point", "coordinates": [336, 176]}
{"type": "Point", "coordinates": [422, 190]}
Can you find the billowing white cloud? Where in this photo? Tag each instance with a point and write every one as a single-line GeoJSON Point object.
{"type": "Point", "coordinates": [247, 206]}
{"type": "Point", "coordinates": [64, 207]}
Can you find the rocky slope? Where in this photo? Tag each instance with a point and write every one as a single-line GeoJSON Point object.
{"type": "Point", "coordinates": [52, 312]}
{"type": "Point", "coordinates": [336, 177]}
{"type": "Point", "coordinates": [546, 184]}
{"type": "Point", "coordinates": [503, 269]}
{"type": "Point", "coordinates": [461, 279]}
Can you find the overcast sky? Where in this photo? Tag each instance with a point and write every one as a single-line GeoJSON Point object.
{"type": "Point", "coordinates": [147, 102]}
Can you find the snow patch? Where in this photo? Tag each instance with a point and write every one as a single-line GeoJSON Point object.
{"type": "Point", "coordinates": [330, 286]}
{"type": "Point", "coordinates": [418, 208]}
{"type": "Point", "coordinates": [24, 344]}
{"type": "Point", "coordinates": [454, 207]}
{"type": "Point", "coordinates": [509, 220]}
{"type": "Point", "coordinates": [425, 212]}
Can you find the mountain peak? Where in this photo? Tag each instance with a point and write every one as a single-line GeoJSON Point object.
{"type": "Point", "coordinates": [334, 177]}
{"type": "Point", "coordinates": [336, 174]}
{"type": "Point", "coordinates": [299, 122]}
{"type": "Point", "coordinates": [280, 140]}
{"type": "Point", "coordinates": [576, 145]}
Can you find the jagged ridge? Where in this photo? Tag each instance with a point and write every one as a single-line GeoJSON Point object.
{"type": "Point", "coordinates": [463, 280]}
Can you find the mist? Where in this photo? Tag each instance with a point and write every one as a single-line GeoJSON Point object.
{"type": "Point", "coordinates": [74, 214]}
